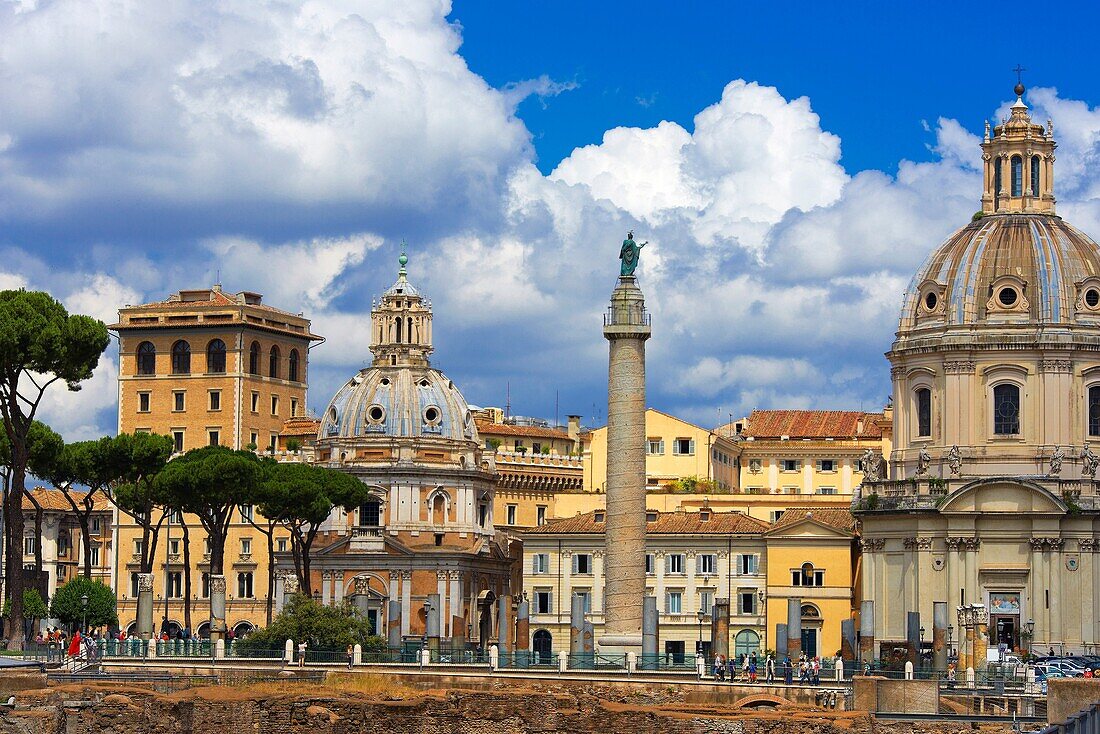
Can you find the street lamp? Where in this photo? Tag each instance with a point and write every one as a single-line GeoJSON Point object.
{"type": "Point", "coordinates": [920, 652]}
{"type": "Point", "coordinates": [950, 633]}
{"type": "Point", "coordinates": [700, 615]}
{"type": "Point", "coordinates": [84, 608]}
{"type": "Point", "coordinates": [1000, 640]}
{"type": "Point", "coordinates": [1030, 624]}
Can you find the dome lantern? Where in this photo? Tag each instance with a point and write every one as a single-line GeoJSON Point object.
{"type": "Point", "coordinates": [401, 324]}
{"type": "Point", "coordinates": [1018, 164]}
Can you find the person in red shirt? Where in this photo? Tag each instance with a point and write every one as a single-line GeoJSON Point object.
{"type": "Point", "coordinates": [74, 646]}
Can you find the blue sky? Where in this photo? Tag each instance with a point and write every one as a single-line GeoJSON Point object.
{"type": "Point", "coordinates": [791, 165]}
{"type": "Point", "coordinates": [874, 70]}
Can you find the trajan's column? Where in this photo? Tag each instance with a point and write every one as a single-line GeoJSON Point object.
{"type": "Point", "coordinates": [626, 327]}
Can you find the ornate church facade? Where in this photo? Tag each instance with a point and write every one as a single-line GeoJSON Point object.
{"type": "Point", "coordinates": [424, 548]}
{"type": "Point", "coordinates": [992, 498]}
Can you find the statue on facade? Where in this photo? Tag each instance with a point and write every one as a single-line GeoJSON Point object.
{"type": "Point", "coordinates": [955, 461]}
{"type": "Point", "coordinates": [629, 254]}
{"type": "Point", "coordinates": [869, 464]}
{"type": "Point", "coordinates": [923, 461]}
{"type": "Point", "coordinates": [1089, 462]}
{"type": "Point", "coordinates": [1056, 462]}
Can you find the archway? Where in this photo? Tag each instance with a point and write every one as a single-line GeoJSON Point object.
{"type": "Point", "coordinates": [242, 629]}
{"type": "Point", "coordinates": [542, 646]}
{"type": "Point", "coordinates": [203, 631]}
{"type": "Point", "coordinates": [746, 642]}
{"type": "Point", "coordinates": [485, 603]}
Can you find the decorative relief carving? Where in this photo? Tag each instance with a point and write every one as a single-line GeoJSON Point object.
{"type": "Point", "coordinates": [972, 544]}
{"type": "Point", "coordinates": [1055, 365]}
{"type": "Point", "coordinates": [954, 544]}
{"type": "Point", "coordinates": [918, 543]}
{"type": "Point", "coordinates": [217, 585]}
{"type": "Point", "coordinates": [395, 576]}
{"type": "Point", "coordinates": [870, 545]}
{"type": "Point", "coordinates": [1089, 545]}
{"type": "Point", "coordinates": [362, 585]}
{"type": "Point", "coordinates": [959, 367]}
{"type": "Point", "coordinates": [290, 584]}
{"type": "Point", "coordinates": [406, 575]}
{"type": "Point", "coordinates": [145, 582]}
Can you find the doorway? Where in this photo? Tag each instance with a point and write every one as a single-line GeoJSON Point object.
{"type": "Point", "coordinates": [542, 644]}
{"type": "Point", "coordinates": [674, 652]}
{"type": "Point", "coordinates": [809, 641]}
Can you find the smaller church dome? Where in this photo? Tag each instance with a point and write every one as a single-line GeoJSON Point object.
{"type": "Point", "coordinates": [399, 402]}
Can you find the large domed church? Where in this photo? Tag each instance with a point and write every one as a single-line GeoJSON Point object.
{"type": "Point", "coordinates": [991, 497]}
{"type": "Point", "coordinates": [426, 539]}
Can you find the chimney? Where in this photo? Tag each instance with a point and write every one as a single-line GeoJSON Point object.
{"type": "Point", "coordinates": [574, 430]}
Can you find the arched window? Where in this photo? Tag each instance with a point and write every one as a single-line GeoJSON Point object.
{"type": "Point", "coordinates": [1017, 176]}
{"type": "Point", "coordinates": [146, 359]}
{"type": "Point", "coordinates": [181, 358]}
{"type": "Point", "coordinates": [398, 322]}
{"type": "Point", "coordinates": [1006, 410]}
{"type": "Point", "coordinates": [254, 359]}
{"type": "Point", "coordinates": [1094, 410]}
{"type": "Point", "coordinates": [997, 178]}
{"type": "Point", "coordinates": [273, 362]}
{"type": "Point", "coordinates": [1034, 175]}
{"type": "Point", "coordinates": [924, 411]}
{"type": "Point", "coordinates": [409, 330]}
{"type": "Point", "coordinates": [746, 643]}
{"type": "Point", "coordinates": [809, 610]}
{"type": "Point", "coordinates": [215, 356]}
{"type": "Point", "coordinates": [292, 366]}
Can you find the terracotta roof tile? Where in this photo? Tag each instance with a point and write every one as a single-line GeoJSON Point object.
{"type": "Point", "coordinates": [300, 426]}
{"type": "Point", "coordinates": [798, 424]}
{"type": "Point", "coordinates": [667, 523]}
{"type": "Point", "coordinates": [831, 516]}
{"type": "Point", "coordinates": [54, 500]}
{"type": "Point", "coordinates": [504, 429]}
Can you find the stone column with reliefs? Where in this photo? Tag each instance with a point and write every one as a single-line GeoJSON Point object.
{"type": "Point", "coordinates": [145, 605]}
{"type": "Point", "coordinates": [361, 600]}
{"type": "Point", "coordinates": [217, 607]}
{"type": "Point", "coordinates": [626, 327]}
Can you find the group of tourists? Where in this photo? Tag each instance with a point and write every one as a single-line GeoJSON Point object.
{"type": "Point", "coordinates": [747, 669]}
{"type": "Point", "coordinates": [59, 645]}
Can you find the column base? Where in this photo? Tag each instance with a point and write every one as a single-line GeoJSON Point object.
{"type": "Point", "coordinates": [620, 644]}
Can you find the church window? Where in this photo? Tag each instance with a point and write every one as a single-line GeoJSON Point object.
{"type": "Point", "coordinates": [1094, 410]}
{"type": "Point", "coordinates": [398, 323]}
{"type": "Point", "coordinates": [181, 358]}
{"type": "Point", "coordinates": [1092, 298]}
{"type": "Point", "coordinates": [1006, 410]}
{"type": "Point", "coordinates": [1007, 297]}
{"type": "Point", "coordinates": [215, 356]}
{"type": "Point", "coordinates": [1017, 176]}
{"type": "Point", "coordinates": [370, 514]}
{"type": "Point", "coordinates": [273, 362]}
{"type": "Point", "coordinates": [1034, 175]}
{"type": "Point", "coordinates": [292, 367]}
{"type": "Point", "coordinates": [924, 411]}
{"type": "Point", "coordinates": [254, 359]}
{"type": "Point", "coordinates": [146, 359]}
{"type": "Point", "coordinates": [376, 414]}
{"type": "Point", "coordinates": [931, 300]}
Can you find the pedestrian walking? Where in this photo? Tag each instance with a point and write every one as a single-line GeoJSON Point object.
{"type": "Point", "coordinates": [752, 670]}
{"type": "Point", "coordinates": [788, 673]}
{"type": "Point", "coordinates": [769, 669]}
{"type": "Point", "coordinates": [351, 655]}
{"type": "Point", "coordinates": [815, 669]}
{"type": "Point", "coordinates": [302, 654]}
{"type": "Point", "coordinates": [731, 667]}
{"type": "Point", "coordinates": [719, 667]}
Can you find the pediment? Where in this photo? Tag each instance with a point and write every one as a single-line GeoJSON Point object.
{"type": "Point", "coordinates": [808, 528]}
{"type": "Point", "coordinates": [1003, 496]}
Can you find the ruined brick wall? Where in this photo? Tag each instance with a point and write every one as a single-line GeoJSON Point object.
{"type": "Point", "coordinates": [120, 710]}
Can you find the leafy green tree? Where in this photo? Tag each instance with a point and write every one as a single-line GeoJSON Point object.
{"type": "Point", "coordinates": [40, 344]}
{"type": "Point", "coordinates": [67, 606]}
{"type": "Point", "coordinates": [302, 496]}
{"type": "Point", "coordinates": [33, 606]}
{"type": "Point", "coordinates": [209, 483]}
{"type": "Point", "coordinates": [322, 627]}
{"type": "Point", "coordinates": [145, 456]}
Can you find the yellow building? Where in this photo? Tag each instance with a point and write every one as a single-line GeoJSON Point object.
{"type": "Point", "coordinates": [811, 556]}
{"type": "Point", "coordinates": [206, 368]}
{"type": "Point", "coordinates": [808, 452]}
{"type": "Point", "coordinates": [535, 462]}
{"type": "Point", "coordinates": [680, 456]}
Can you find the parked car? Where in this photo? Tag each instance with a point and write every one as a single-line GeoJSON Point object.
{"type": "Point", "coordinates": [1065, 668]}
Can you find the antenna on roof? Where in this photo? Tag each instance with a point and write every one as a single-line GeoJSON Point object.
{"type": "Point", "coordinates": [507, 400]}
{"type": "Point", "coordinates": [218, 279]}
{"type": "Point", "coordinates": [556, 421]}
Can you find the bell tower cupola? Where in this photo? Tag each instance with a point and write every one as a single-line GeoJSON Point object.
{"type": "Point", "coordinates": [1018, 163]}
{"type": "Point", "coordinates": [401, 324]}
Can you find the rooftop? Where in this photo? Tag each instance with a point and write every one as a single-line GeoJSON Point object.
{"type": "Point", "coordinates": [799, 424]}
{"type": "Point", "coordinates": [831, 516]}
{"type": "Point", "coordinates": [489, 428]}
{"type": "Point", "coordinates": [53, 500]}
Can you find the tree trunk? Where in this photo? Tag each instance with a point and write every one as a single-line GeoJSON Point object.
{"type": "Point", "coordinates": [86, 534]}
{"type": "Point", "coordinates": [186, 576]}
{"type": "Point", "coordinates": [307, 544]}
{"type": "Point", "coordinates": [270, 569]}
{"type": "Point", "coordinates": [14, 570]}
